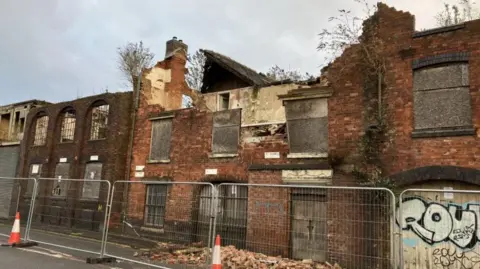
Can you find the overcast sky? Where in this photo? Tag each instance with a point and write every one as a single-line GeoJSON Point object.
{"type": "Point", "coordinates": [59, 50]}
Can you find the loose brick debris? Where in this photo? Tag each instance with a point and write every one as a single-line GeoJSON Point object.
{"type": "Point", "coordinates": [232, 258]}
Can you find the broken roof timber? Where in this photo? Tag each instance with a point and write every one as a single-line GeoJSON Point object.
{"type": "Point", "coordinates": [243, 72]}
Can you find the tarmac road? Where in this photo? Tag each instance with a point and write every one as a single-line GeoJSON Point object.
{"type": "Point", "coordinates": [36, 257]}
{"type": "Point", "coordinates": [63, 257]}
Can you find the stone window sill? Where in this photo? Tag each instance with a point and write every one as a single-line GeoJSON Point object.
{"type": "Point", "coordinates": [158, 161]}
{"type": "Point", "coordinates": [158, 230]}
{"type": "Point", "coordinates": [97, 140]}
{"type": "Point", "coordinates": [307, 155]}
{"type": "Point", "coordinates": [222, 155]}
{"type": "Point", "coordinates": [444, 132]}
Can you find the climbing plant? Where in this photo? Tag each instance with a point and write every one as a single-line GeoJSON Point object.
{"type": "Point", "coordinates": [362, 34]}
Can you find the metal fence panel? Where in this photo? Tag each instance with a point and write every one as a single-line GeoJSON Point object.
{"type": "Point", "coordinates": [16, 198]}
{"type": "Point", "coordinates": [351, 226]}
{"type": "Point", "coordinates": [439, 228]}
{"type": "Point", "coordinates": [161, 223]}
{"type": "Point", "coordinates": [68, 214]}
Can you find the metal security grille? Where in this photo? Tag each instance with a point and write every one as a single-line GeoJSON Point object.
{"type": "Point", "coordinates": [155, 205]}
{"type": "Point", "coordinates": [68, 127]}
{"type": "Point", "coordinates": [232, 215]}
{"type": "Point", "coordinates": [41, 131]}
{"type": "Point", "coordinates": [99, 122]}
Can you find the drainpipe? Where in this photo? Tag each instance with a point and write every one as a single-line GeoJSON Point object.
{"type": "Point", "coordinates": [130, 146]}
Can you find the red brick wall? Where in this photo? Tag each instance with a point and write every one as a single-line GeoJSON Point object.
{"type": "Point", "coordinates": [346, 123]}
{"type": "Point", "coordinates": [111, 151]}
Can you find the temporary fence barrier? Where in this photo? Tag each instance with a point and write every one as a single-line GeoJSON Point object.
{"type": "Point", "coordinates": [165, 222]}
{"type": "Point", "coordinates": [16, 196]}
{"type": "Point", "coordinates": [353, 226]}
{"type": "Point", "coordinates": [75, 207]}
{"type": "Point", "coordinates": [161, 218]}
{"type": "Point", "coordinates": [439, 228]}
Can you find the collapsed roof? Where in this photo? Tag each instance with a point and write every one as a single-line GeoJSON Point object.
{"type": "Point", "coordinates": [224, 73]}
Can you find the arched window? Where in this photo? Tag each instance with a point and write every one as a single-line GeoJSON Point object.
{"type": "Point", "coordinates": [68, 126]}
{"type": "Point", "coordinates": [41, 127]}
{"type": "Point", "coordinates": [99, 122]}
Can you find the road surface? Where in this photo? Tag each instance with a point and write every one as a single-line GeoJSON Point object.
{"type": "Point", "coordinates": [37, 257]}
{"type": "Point", "coordinates": [64, 255]}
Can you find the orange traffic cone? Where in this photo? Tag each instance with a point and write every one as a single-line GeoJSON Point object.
{"type": "Point", "coordinates": [217, 261]}
{"type": "Point", "coordinates": [15, 234]}
{"type": "Point", "coordinates": [15, 240]}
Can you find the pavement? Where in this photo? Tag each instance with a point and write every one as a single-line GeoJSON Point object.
{"type": "Point", "coordinates": [66, 251]}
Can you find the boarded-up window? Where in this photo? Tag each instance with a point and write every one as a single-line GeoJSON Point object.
{"type": "Point", "coordinates": [307, 124]}
{"type": "Point", "coordinates": [41, 131]}
{"type": "Point", "coordinates": [442, 97]}
{"type": "Point", "coordinates": [155, 204]}
{"type": "Point", "coordinates": [99, 122]}
{"type": "Point", "coordinates": [60, 186]}
{"type": "Point", "coordinates": [34, 172]}
{"type": "Point", "coordinates": [226, 130]}
{"type": "Point", "coordinates": [161, 137]}
{"type": "Point", "coordinates": [68, 127]}
{"type": "Point", "coordinates": [91, 189]}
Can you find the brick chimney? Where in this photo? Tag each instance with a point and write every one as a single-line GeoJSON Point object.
{"type": "Point", "coordinates": [174, 46]}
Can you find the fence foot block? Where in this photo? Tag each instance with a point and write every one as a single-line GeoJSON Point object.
{"type": "Point", "coordinates": [21, 245]}
{"type": "Point", "coordinates": [101, 260]}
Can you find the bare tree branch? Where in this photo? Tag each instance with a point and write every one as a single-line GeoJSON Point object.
{"type": "Point", "coordinates": [277, 73]}
{"type": "Point", "coordinates": [132, 58]}
{"type": "Point", "coordinates": [196, 65]}
{"type": "Point", "coordinates": [461, 12]}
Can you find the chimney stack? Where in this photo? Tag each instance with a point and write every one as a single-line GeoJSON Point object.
{"type": "Point", "coordinates": [174, 46]}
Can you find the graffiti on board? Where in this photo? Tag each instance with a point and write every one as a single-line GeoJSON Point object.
{"type": "Point", "coordinates": [446, 258]}
{"type": "Point", "coordinates": [435, 223]}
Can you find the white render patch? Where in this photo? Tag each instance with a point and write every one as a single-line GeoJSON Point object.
{"type": "Point", "coordinates": [323, 176]}
{"type": "Point", "coordinates": [448, 195]}
{"type": "Point", "coordinates": [35, 168]}
{"type": "Point", "coordinates": [307, 155]}
{"type": "Point", "coordinates": [272, 155]}
{"type": "Point", "coordinates": [94, 158]}
{"type": "Point", "coordinates": [139, 167]}
{"type": "Point", "coordinates": [63, 160]}
{"type": "Point", "coordinates": [139, 174]}
{"type": "Point", "coordinates": [211, 171]}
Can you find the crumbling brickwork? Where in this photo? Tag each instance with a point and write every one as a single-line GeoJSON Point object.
{"type": "Point", "coordinates": [406, 50]}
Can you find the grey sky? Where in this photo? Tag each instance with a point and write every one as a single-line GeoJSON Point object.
{"type": "Point", "coordinates": [58, 50]}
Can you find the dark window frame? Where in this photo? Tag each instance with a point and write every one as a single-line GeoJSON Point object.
{"type": "Point", "coordinates": [223, 98]}
{"type": "Point", "coordinates": [97, 123]}
{"type": "Point", "coordinates": [156, 202]}
{"type": "Point", "coordinates": [432, 63]}
{"type": "Point", "coordinates": [164, 156]}
{"type": "Point", "coordinates": [225, 126]}
{"type": "Point", "coordinates": [68, 128]}
{"type": "Point", "coordinates": [41, 131]}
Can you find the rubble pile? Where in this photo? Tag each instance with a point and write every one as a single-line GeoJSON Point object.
{"type": "Point", "coordinates": [232, 258]}
{"type": "Point", "coordinates": [240, 259]}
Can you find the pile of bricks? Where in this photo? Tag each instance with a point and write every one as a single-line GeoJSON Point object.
{"type": "Point", "coordinates": [232, 258]}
